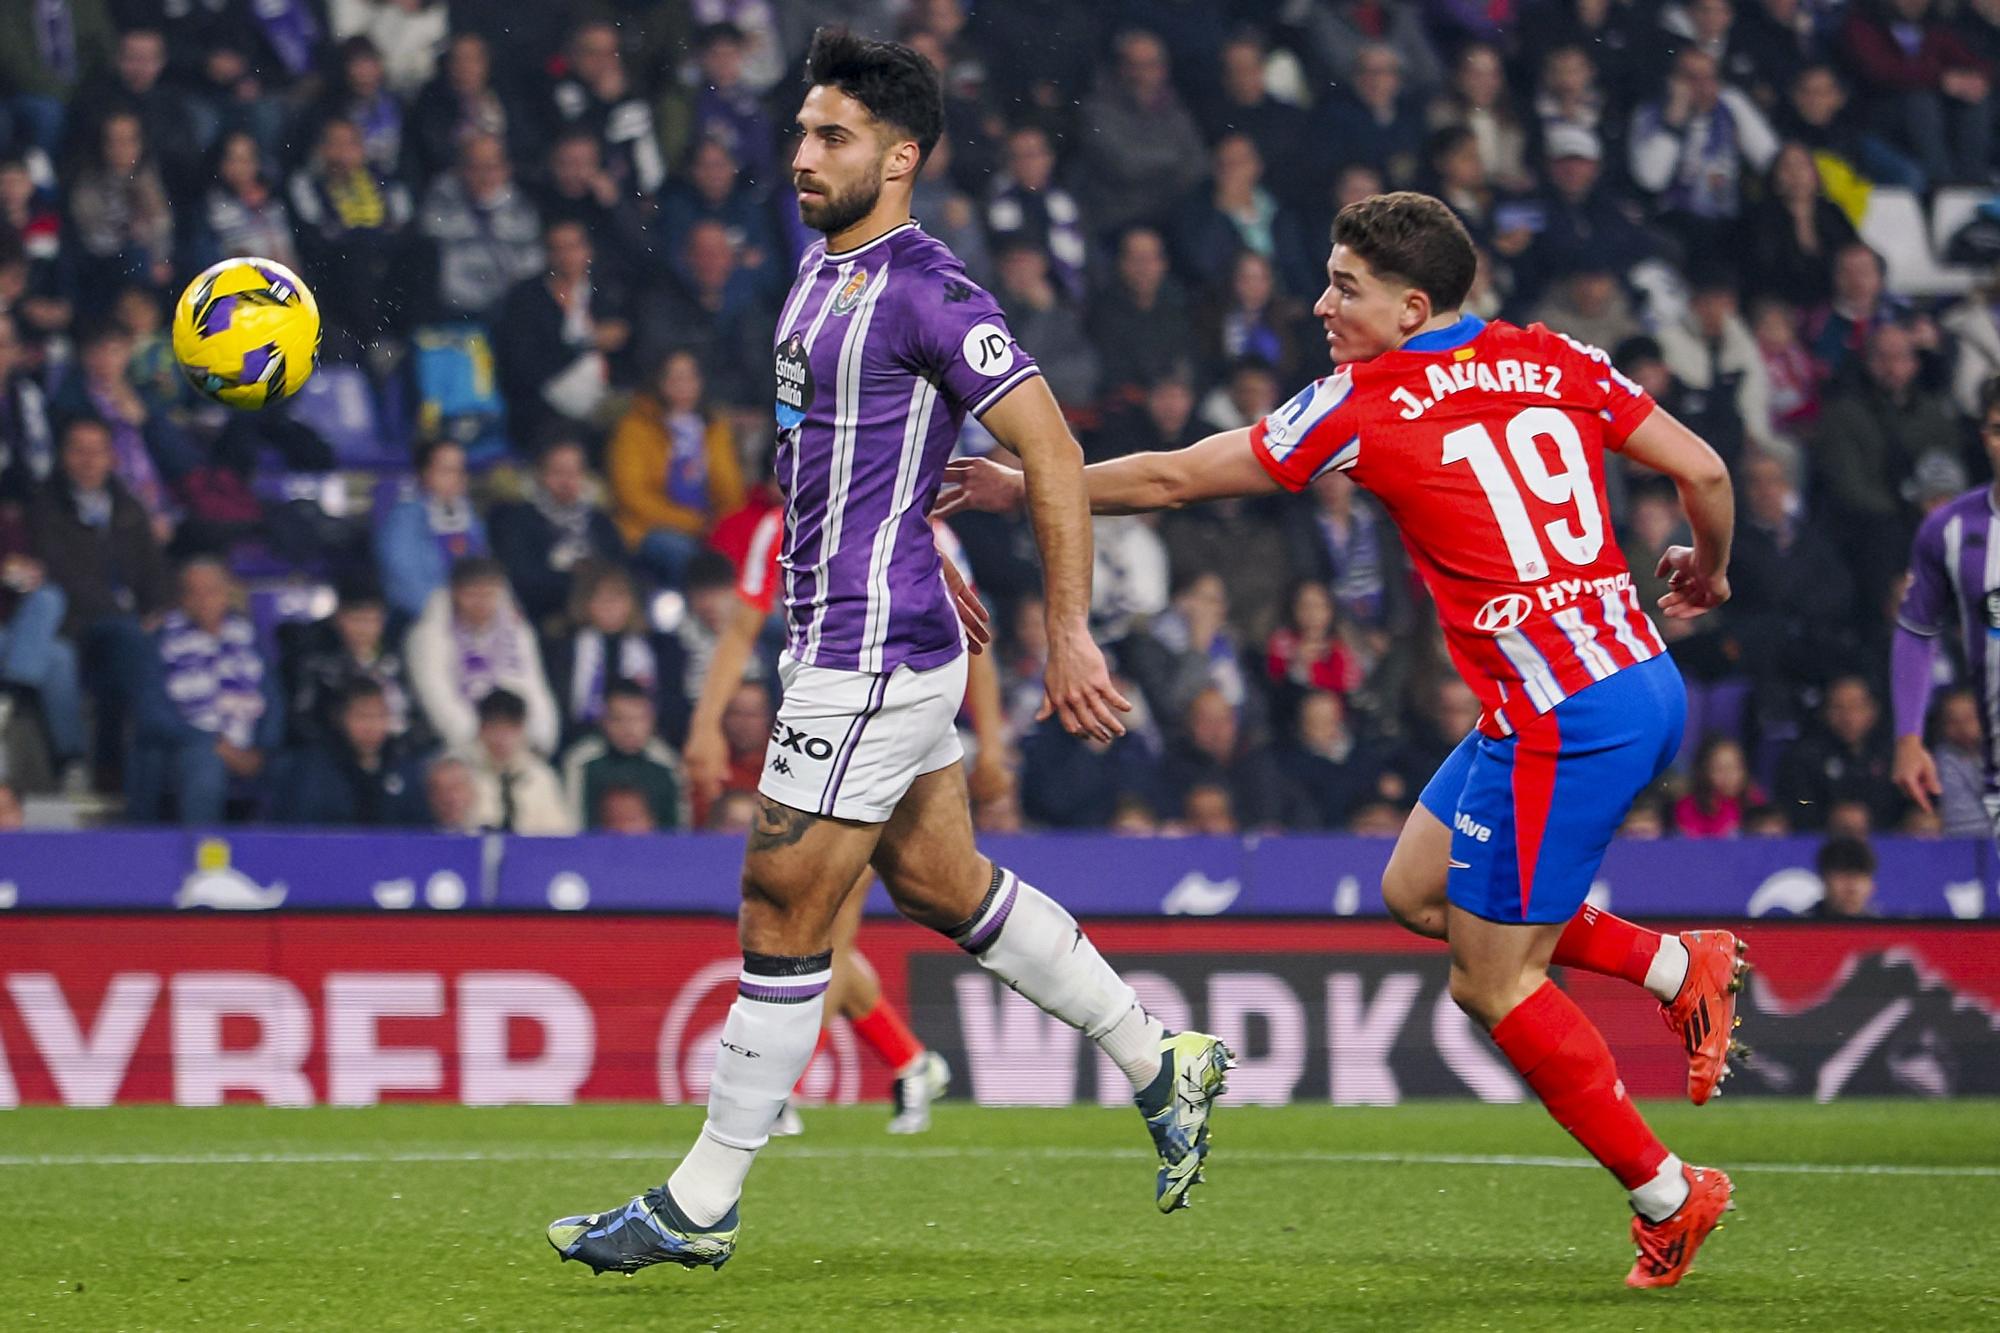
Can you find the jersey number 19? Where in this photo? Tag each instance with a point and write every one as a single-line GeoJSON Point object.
{"type": "Point", "coordinates": [1578, 542]}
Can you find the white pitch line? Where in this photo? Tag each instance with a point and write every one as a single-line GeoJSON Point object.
{"type": "Point", "coordinates": [1256, 1157]}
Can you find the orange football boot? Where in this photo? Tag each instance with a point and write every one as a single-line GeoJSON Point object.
{"type": "Point", "coordinates": [1667, 1249]}
{"type": "Point", "coordinates": [1703, 1015]}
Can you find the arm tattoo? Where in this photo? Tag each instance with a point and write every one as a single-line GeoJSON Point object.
{"type": "Point", "coordinates": [778, 825]}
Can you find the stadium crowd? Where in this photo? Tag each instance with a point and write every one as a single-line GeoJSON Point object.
{"type": "Point", "coordinates": [472, 577]}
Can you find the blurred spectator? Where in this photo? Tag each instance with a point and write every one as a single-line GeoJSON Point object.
{"type": "Point", "coordinates": [12, 818]}
{"type": "Point", "coordinates": [351, 224]}
{"type": "Point", "coordinates": [1243, 104]}
{"type": "Point", "coordinates": [1209, 811]}
{"type": "Point", "coordinates": [358, 775]}
{"type": "Point", "coordinates": [33, 654]}
{"type": "Point", "coordinates": [600, 96]}
{"type": "Point", "coordinates": [207, 717]}
{"type": "Point", "coordinates": [1028, 207]}
{"type": "Point", "coordinates": [134, 83]}
{"type": "Point", "coordinates": [1579, 222]}
{"type": "Point", "coordinates": [1251, 318]}
{"type": "Point", "coordinates": [1850, 818]}
{"type": "Point", "coordinates": [1789, 368]}
{"type": "Point", "coordinates": [118, 209]}
{"type": "Point", "coordinates": [243, 215]}
{"type": "Point", "coordinates": [1973, 323]}
{"type": "Point", "coordinates": [1078, 783]}
{"type": "Point", "coordinates": [1454, 173]}
{"type": "Point", "coordinates": [1711, 352]}
{"type": "Point", "coordinates": [1568, 94]}
{"type": "Point", "coordinates": [33, 266]}
{"type": "Point", "coordinates": [1722, 790]}
{"type": "Point", "coordinates": [949, 213]}
{"type": "Point", "coordinates": [408, 34]}
{"type": "Point", "coordinates": [1213, 751]}
{"type": "Point", "coordinates": [1961, 765]}
{"type": "Point", "coordinates": [1244, 542]}
{"type": "Point", "coordinates": [46, 48]}
{"type": "Point", "coordinates": [1791, 612]}
{"type": "Point", "coordinates": [1646, 820]}
{"type": "Point", "coordinates": [471, 641]}
{"type": "Point", "coordinates": [1378, 819]}
{"type": "Point", "coordinates": [1777, 39]}
{"type": "Point", "coordinates": [1838, 332]}
{"type": "Point", "coordinates": [1162, 418]}
{"type": "Point", "coordinates": [1190, 648]}
{"type": "Point", "coordinates": [27, 436]}
{"type": "Point", "coordinates": [1140, 150]}
{"type": "Point", "coordinates": [1847, 759]}
{"type": "Point", "coordinates": [715, 311]}
{"type": "Point", "coordinates": [1871, 438]}
{"type": "Point", "coordinates": [1247, 396]}
{"type": "Point", "coordinates": [623, 810]}
{"type": "Point", "coordinates": [347, 650]}
{"type": "Point", "coordinates": [607, 642]}
{"type": "Point", "coordinates": [1817, 113]}
{"type": "Point", "coordinates": [559, 336]}
{"type": "Point", "coordinates": [1477, 101]}
{"type": "Point", "coordinates": [733, 812]}
{"type": "Point", "coordinates": [1043, 317]}
{"type": "Point", "coordinates": [1795, 233]}
{"type": "Point", "coordinates": [1331, 772]}
{"type": "Point", "coordinates": [712, 189]}
{"type": "Point", "coordinates": [544, 538]}
{"type": "Point", "coordinates": [625, 755]}
{"type": "Point", "coordinates": [1374, 118]}
{"type": "Point", "coordinates": [148, 450]}
{"type": "Point", "coordinates": [746, 728]}
{"type": "Point", "coordinates": [1342, 34]}
{"type": "Point", "coordinates": [1140, 323]}
{"type": "Point", "coordinates": [459, 104]}
{"type": "Point", "coordinates": [486, 232]}
{"type": "Point", "coordinates": [576, 188]}
{"type": "Point", "coordinates": [1765, 821]}
{"type": "Point", "coordinates": [1691, 150]}
{"type": "Point", "coordinates": [450, 796]}
{"type": "Point", "coordinates": [361, 96]}
{"type": "Point", "coordinates": [1846, 869]}
{"type": "Point", "coordinates": [1305, 652]}
{"type": "Point", "coordinates": [673, 469]}
{"type": "Point", "coordinates": [1590, 306]}
{"type": "Point", "coordinates": [430, 527]}
{"type": "Point", "coordinates": [514, 789]}
{"type": "Point", "coordinates": [726, 107]}
{"type": "Point", "coordinates": [1236, 213]}
{"type": "Point", "coordinates": [1927, 91]}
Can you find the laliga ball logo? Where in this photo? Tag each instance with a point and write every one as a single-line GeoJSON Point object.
{"type": "Point", "coordinates": [1503, 613]}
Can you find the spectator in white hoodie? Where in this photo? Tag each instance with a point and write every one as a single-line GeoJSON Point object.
{"type": "Point", "coordinates": [470, 641]}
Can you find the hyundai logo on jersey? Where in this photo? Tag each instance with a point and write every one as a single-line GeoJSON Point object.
{"type": "Point", "coordinates": [1502, 613]}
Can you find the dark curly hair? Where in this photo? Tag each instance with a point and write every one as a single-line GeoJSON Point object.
{"type": "Point", "coordinates": [898, 85]}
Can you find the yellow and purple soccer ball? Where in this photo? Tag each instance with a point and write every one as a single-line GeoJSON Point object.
{"type": "Point", "coordinates": [246, 333]}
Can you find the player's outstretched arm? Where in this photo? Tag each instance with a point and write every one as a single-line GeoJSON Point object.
{"type": "Point", "coordinates": [1078, 685]}
{"type": "Point", "coordinates": [1697, 576]}
{"type": "Point", "coordinates": [706, 754]}
{"type": "Point", "coordinates": [1219, 467]}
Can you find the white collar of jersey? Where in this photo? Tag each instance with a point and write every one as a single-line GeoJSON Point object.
{"type": "Point", "coordinates": [842, 256]}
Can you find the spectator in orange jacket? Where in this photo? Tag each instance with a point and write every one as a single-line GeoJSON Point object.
{"type": "Point", "coordinates": [674, 470]}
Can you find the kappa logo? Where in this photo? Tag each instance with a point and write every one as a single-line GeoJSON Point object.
{"type": "Point", "coordinates": [955, 292]}
{"type": "Point", "coordinates": [781, 766]}
{"type": "Point", "coordinates": [1502, 613]}
{"type": "Point", "coordinates": [788, 737]}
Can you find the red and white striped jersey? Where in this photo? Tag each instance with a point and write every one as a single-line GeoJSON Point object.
{"type": "Point", "coordinates": [760, 579]}
{"type": "Point", "coordinates": [1485, 443]}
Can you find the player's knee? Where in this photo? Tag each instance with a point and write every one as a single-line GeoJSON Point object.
{"type": "Point", "coordinates": [934, 895]}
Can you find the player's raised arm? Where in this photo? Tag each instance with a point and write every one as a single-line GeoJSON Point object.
{"type": "Point", "coordinates": [1698, 576]}
{"type": "Point", "coordinates": [1078, 684]}
{"type": "Point", "coordinates": [1218, 467]}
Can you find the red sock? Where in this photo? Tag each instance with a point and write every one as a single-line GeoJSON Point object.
{"type": "Point", "coordinates": [799, 1088]}
{"type": "Point", "coordinates": [1565, 1060]}
{"type": "Point", "coordinates": [883, 1029]}
{"type": "Point", "coordinates": [1600, 942]}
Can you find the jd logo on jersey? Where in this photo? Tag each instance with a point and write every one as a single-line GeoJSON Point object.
{"type": "Point", "coordinates": [787, 737]}
{"type": "Point", "coordinates": [795, 383]}
{"type": "Point", "coordinates": [850, 292]}
{"type": "Point", "coordinates": [1503, 613]}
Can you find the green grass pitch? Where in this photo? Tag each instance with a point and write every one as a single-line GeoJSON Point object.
{"type": "Point", "coordinates": [1852, 1216]}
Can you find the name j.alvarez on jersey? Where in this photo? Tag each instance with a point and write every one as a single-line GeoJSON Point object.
{"type": "Point", "coordinates": [1502, 376]}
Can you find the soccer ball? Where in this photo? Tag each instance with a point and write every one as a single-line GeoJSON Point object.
{"type": "Point", "coordinates": [246, 333]}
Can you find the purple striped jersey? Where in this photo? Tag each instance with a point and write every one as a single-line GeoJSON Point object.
{"type": "Point", "coordinates": [880, 352]}
{"type": "Point", "coordinates": [1955, 575]}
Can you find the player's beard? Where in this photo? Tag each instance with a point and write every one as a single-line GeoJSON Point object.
{"type": "Point", "coordinates": [832, 213]}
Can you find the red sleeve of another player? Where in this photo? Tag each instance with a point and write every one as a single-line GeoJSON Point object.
{"type": "Point", "coordinates": [1311, 434]}
{"type": "Point", "coordinates": [757, 580]}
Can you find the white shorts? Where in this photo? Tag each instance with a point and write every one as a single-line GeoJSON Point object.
{"type": "Point", "coordinates": [849, 743]}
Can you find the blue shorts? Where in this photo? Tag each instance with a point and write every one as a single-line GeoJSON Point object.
{"type": "Point", "coordinates": [1530, 815]}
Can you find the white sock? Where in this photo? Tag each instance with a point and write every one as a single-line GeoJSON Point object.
{"type": "Point", "coordinates": [1025, 938]}
{"type": "Point", "coordinates": [767, 1041]}
{"type": "Point", "coordinates": [1669, 969]}
{"type": "Point", "coordinates": [1662, 1196]}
